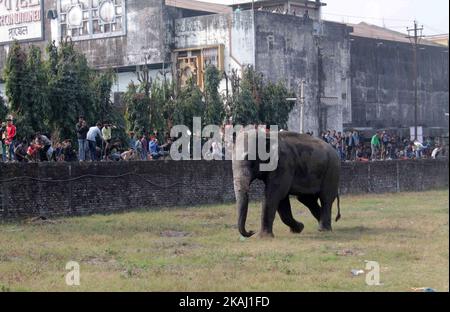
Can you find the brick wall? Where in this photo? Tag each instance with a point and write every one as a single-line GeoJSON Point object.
{"type": "Point", "coordinates": [168, 184]}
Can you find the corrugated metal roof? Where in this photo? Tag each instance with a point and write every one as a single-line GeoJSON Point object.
{"type": "Point", "coordinates": [199, 6]}
{"type": "Point", "coordinates": [269, 2]}
{"type": "Point", "coordinates": [376, 32]}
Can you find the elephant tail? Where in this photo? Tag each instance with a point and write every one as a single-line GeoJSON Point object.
{"type": "Point", "coordinates": [338, 217]}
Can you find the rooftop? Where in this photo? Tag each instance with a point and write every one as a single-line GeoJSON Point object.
{"type": "Point", "coordinates": [199, 6]}
{"type": "Point", "coordinates": [261, 3]}
{"type": "Point", "coordinates": [441, 39]}
{"type": "Point", "coordinates": [376, 32]}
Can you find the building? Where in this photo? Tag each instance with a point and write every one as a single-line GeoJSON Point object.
{"type": "Point", "coordinates": [439, 39]}
{"type": "Point", "coordinates": [357, 76]}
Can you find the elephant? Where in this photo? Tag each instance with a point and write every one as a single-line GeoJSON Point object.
{"type": "Point", "coordinates": [308, 169]}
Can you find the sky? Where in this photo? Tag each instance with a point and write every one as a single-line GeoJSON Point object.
{"type": "Point", "coordinates": [393, 14]}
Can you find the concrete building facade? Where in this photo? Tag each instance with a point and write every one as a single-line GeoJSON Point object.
{"type": "Point", "coordinates": [356, 76]}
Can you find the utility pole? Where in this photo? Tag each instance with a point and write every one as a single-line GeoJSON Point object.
{"type": "Point", "coordinates": [301, 100]}
{"type": "Point", "coordinates": [302, 106]}
{"type": "Point", "coordinates": [415, 40]}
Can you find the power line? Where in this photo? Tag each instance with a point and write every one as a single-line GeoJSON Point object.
{"type": "Point", "coordinates": [439, 31]}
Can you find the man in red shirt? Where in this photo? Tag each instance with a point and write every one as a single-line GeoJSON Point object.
{"type": "Point", "coordinates": [10, 137]}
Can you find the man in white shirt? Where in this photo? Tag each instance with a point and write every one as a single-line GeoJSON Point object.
{"type": "Point", "coordinates": [418, 148]}
{"type": "Point", "coordinates": [91, 136]}
{"type": "Point", "coordinates": [436, 152]}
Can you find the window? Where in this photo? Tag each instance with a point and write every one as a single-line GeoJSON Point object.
{"type": "Point", "coordinates": [90, 19]}
{"type": "Point", "coordinates": [191, 63]}
{"type": "Point", "coordinates": [270, 42]}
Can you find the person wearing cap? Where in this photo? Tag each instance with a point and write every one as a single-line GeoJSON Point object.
{"type": "Point", "coordinates": [10, 137]}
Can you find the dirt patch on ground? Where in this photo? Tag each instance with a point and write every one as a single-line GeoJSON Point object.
{"type": "Point", "coordinates": [170, 233]}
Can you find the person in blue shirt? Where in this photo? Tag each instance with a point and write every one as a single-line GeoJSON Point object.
{"type": "Point", "coordinates": [132, 141]}
{"type": "Point", "coordinates": [153, 148]}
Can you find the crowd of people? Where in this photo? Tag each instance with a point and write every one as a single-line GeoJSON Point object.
{"type": "Point", "coordinates": [139, 147]}
{"type": "Point", "coordinates": [352, 146]}
{"type": "Point", "coordinates": [95, 143]}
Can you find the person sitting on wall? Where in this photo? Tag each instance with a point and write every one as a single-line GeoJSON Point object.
{"type": "Point", "coordinates": [165, 148]}
{"type": "Point", "coordinates": [115, 154]}
{"type": "Point", "coordinates": [359, 154]}
{"type": "Point", "coordinates": [46, 147]}
{"type": "Point", "coordinates": [409, 151]}
{"type": "Point", "coordinates": [68, 154]}
{"type": "Point", "coordinates": [20, 151]}
{"type": "Point", "coordinates": [436, 151]}
{"type": "Point", "coordinates": [57, 152]}
{"type": "Point", "coordinates": [33, 152]}
{"type": "Point", "coordinates": [139, 149]}
{"type": "Point", "coordinates": [154, 149]}
{"type": "Point", "coordinates": [129, 155]}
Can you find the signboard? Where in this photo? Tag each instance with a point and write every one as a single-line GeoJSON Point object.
{"type": "Point", "coordinates": [21, 20]}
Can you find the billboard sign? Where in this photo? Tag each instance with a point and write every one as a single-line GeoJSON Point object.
{"type": "Point", "coordinates": [21, 20]}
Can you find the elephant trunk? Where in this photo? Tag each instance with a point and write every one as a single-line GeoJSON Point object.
{"type": "Point", "coordinates": [242, 206]}
{"type": "Point", "coordinates": [242, 178]}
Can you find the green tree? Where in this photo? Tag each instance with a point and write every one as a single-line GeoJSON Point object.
{"type": "Point", "coordinates": [274, 108]}
{"type": "Point", "coordinates": [49, 95]}
{"type": "Point", "coordinates": [189, 104]}
{"type": "Point", "coordinates": [256, 101]}
{"type": "Point", "coordinates": [34, 116]}
{"type": "Point", "coordinates": [162, 97]}
{"type": "Point", "coordinates": [137, 109]}
{"type": "Point", "coordinates": [245, 104]}
{"type": "Point", "coordinates": [26, 88]}
{"type": "Point", "coordinates": [101, 85]}
{"type": "Point", "coordinates": [70, 85]}
{"type": "Point", "coordinates": [3, 108]}
{"type": "Point", "coordinates": [214, 106]}
{"type": "Point", "coordinates": [14, 74]}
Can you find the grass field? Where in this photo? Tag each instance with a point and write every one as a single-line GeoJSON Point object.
{"type": "Point", "coordinates": [199, 249]}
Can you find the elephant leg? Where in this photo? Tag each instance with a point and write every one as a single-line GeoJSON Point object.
{"type": "Point", "coordinates": [269, 208]}
{"type": "Point", "coordinates": [277, 189]}
{"type": "Point", "coordinates": [310, 201]}
{"type": "Point", "coordinates": [285, 212]}
{"type": "Point", "coordinates": [325, 213]}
